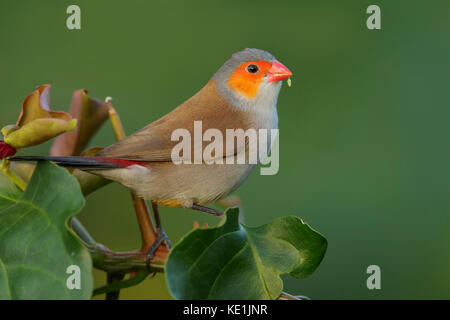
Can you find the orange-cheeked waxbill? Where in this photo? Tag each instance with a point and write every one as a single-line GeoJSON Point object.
{"type": "Point", "coordinates": [242, 94]}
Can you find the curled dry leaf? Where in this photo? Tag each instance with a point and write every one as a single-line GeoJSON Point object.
{"type": "Point", "coordinates": [90, 114]}
{"type": "Point", "coordinates": [37, 105]}
{"type": "Point", "coordinates": [38, 131]}
{"type": "Point", "coordinates": [37, 123]}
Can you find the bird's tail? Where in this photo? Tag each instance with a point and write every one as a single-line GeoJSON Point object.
{"type": "Point", "coordinates": [82, 163]}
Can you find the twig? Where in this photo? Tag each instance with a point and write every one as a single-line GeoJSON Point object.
{"type": "Point", "coordinates": [112, 261]}
{"type": "Point", "coordinates": [132, 281]}
{"type": "Point", "coordinates": [113, 279]}
{"type": "Point", "coordinates": [81, 232]}
{"type": "Point", "coordinates": [124, 262]}
{"type": "Point", "coordinates": [287, 296]}
{"type": "Point", "coordinates": [118, 262]}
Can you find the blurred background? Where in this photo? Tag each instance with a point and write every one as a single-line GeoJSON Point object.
{"type": "Point", "coordinates": [364, 129]}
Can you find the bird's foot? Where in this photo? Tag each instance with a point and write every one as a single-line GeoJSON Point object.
{"type": "Point", "coordinates": [161, 239]}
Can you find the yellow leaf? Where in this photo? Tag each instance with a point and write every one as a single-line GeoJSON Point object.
{"type": "Point", "coordinates": [38, 131]}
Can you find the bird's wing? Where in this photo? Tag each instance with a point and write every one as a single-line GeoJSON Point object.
{"type": "Point", "coordinates": [153, 142]}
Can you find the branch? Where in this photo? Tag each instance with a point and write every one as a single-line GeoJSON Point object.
{"type": "Point", "coordinates": [119, 262]}
{"type": "Point", "coordinates": [287, 296]}
{"type": "Point", "coordinates": [113, 279]}
{"type": "Point", "coordinates": [115, 287]}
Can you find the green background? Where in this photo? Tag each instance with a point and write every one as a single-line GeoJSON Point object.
{"type": "Point", "coordinates": [364, 130]}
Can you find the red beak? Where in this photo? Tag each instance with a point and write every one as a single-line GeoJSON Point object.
{"type": "Point", "coordinates": [278, 72]}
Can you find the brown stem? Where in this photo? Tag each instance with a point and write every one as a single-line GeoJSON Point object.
{"type": "Point", "coordinates": [287, 296]}
{"type": "Point", "coordinates": [115, 122]}
{"type": "Point", "coordinates": [124, 262]}
{"type": "Point", "coordinates": [134, 279]}
{"type": "Point", "coordinates": [111, 279]}
{"type": "Point", "coordinates": [118, 262]}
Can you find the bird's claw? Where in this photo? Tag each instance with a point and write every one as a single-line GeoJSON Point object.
{"type": "Point", "coordinates": [161, 239]}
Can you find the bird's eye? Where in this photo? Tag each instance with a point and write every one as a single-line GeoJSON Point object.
{"type": "Point", "coordinates": [253, 68]}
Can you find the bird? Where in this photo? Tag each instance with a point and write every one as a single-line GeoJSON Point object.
{"type": "Point", "coordinates": [242, 94]}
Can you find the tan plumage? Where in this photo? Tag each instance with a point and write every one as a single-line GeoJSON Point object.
{"type": "Point", "coordinates": [153, 143]}
{"type": "Point", "coordinates": [182, 185]}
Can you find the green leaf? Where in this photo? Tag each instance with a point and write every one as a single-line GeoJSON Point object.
{"type": "Point", "coordinates": [234, 261]}
{"type": "Point", "coordinates": [36, 245]}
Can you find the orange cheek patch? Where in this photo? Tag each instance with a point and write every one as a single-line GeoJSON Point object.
{"type": "Point", "coordinates": [246, 83]}
{"type": "Point", "coordinates": [243, 84]}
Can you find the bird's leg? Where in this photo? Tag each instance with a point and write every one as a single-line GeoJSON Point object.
{"type": "Point", "coordinates": [207, 210]}
{"type": "Point", "coordinates": [148, 234]}
{"type": "Point", "coordinates": [161, 237]}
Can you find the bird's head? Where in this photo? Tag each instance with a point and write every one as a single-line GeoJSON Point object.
{"type": "Point", "coordinates": [251, 79]}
